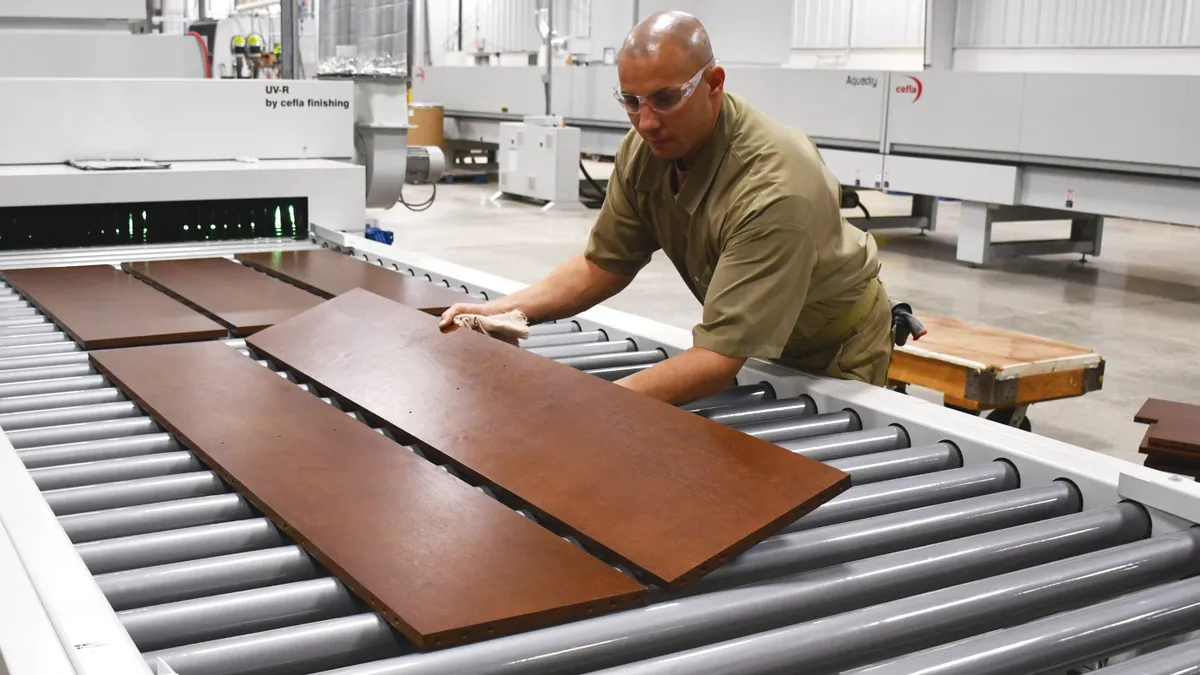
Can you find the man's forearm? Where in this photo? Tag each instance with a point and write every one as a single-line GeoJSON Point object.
{"type": "Point", "coordinates": [694, 374]}
{"type": "Point", "coordinates": [572, 287]}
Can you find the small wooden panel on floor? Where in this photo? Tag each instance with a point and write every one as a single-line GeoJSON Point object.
{"type": "Point", "coordinates": [440, 560]}
{"type": "Point", "coordinates": [980, 367]}
{"type": "Point", "coordinates": [329, 274]}
{"type": "Point", "coordinates": [1174, 428]}
{"type": "Point", "coordinates": [238, 297]}
{"type": "Point", "coordinates": [661, 489]}
{"type": "Point", "coordinates": [101, 307]}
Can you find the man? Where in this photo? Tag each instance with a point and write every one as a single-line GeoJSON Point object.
{"type": "Point", "coordinates": [745, 210]}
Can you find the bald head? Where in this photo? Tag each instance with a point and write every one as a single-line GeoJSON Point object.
{"type": "Point", "coordinates": [679, 34]}
{"type": "Point", "coordinates": [669, 85]}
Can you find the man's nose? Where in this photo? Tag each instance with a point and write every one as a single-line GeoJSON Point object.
{"type": "Point", "coordinates": [648, 120]}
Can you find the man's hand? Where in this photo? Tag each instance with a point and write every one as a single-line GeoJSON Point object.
{"type": "Point", "coordinates": [574, 286]}
{"type": "Point", "coordinates": [482, 309]}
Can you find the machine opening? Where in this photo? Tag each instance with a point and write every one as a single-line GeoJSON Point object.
{"type": "Point", "coordinates": [87, 225]}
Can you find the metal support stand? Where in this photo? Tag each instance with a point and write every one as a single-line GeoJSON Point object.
{"type": "Point", "coordinates": [975, 233]}
{"type": "Point", "coordinates": [923, 217]}
{"type": "Point", "coordinates": [549, 50]}
{"type": "Point", "coordinates": [410, 43]}
{"type": "Point", "coordinates": [289, 34]}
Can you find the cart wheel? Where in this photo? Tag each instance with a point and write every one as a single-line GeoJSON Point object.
{"type": "Point", "coordinates": [1005, 416]}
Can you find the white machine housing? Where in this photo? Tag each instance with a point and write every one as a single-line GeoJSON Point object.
{"type": "Point", "coordinates": [1010, 146]}
{"type": "Point", "coordinates": [539, 159]}
{"type": "Point", "coordinates": [243, 139]}
{"type": "Point", "coordinates": [90, 38]}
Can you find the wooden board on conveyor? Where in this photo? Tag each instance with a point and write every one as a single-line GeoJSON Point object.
{"type": "Point", "coordinates": [661, 489]}
{"type": "Point", "coordinates": [243, 300]}
{"type": "Point", "coordinates": [101, 307]}
{"type": "Point", "coordinates": [440, 560]}
{"type": "Point", "coordinates": [329, 274]}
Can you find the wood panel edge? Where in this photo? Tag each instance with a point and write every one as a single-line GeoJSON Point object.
{"type": "Point", "coordinates": [277, 274]}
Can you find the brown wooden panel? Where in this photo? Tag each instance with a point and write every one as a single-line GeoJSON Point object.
{"type": "Point", "coordinates": [442, 561]}
{"type": "Point", "coordinates": [102, 307]}
{"type": "Point", "coordinates": [1158, 410]}
{"type": "Point", "coordinates": [664, 490]}
{"type": "Point", "coordinates": [240, 298]}
{"type": "Point", "coordinates": [993, 348]}
{"type": "Point", "coordinates": [1174, 425]}
{"type": "Point", "coordinates": [330, 274]}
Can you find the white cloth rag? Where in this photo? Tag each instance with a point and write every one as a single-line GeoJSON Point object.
{"type": "Point", "coordinates": [509, 326]}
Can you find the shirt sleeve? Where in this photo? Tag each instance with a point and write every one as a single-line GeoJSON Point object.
{"type": "Point", "coordinates": [621, 242]}
{"type": "Point", "coordinates": [759, 285]}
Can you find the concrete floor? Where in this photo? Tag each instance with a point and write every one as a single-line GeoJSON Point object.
{"type": "Point", "coordinates": [1138, 304]}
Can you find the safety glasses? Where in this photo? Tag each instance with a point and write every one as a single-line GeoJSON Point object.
{"type": "Point", "coordinates": [663, 100]}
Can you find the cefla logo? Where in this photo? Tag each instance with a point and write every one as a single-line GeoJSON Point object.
{"type": "Point", "coordinates": [857, 81]}
{"type": "Point", "coordinates": [915, 87]}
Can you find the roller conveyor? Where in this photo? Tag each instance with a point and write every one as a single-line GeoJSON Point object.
{"type": "Point", "coordinates": [202, 581]}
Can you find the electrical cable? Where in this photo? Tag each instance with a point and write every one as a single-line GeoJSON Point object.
{"type": "Point", "coordinates": [423, 206]}
{"type": "Point", "coordinates": [204, 53]}
{"type": "Point", "coordinates": [597, 201]}
{"type": "Point", "coordinates": [864, 209]}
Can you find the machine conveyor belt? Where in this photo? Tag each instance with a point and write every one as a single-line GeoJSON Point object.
{"type": "Point", "coordinates": [202, 581]}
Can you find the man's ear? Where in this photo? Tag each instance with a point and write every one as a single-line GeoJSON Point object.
{"type": "Point", "coordinates": [716, 80]}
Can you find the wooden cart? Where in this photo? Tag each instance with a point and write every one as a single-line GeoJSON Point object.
{"type": "Point", "coordinates": [982, 369]}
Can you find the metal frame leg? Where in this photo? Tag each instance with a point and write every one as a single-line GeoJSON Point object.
{"type": "Point", "coordinates": [1090, 230]}
{"type": "Point", "coordinates": [975, 234]}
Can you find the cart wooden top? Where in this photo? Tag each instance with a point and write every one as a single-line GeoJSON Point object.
{"type": "Point", "coordinates": [1004, 352]}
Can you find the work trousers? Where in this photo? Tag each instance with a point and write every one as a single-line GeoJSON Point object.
{"type": "Point", "coordinates": [864, 354]}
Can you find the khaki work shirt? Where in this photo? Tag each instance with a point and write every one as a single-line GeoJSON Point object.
{"type": "Point", "coordinates": [755, 231]}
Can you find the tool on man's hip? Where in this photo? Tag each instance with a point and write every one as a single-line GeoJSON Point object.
{"type": "Point", "coordinates": [906, 323]}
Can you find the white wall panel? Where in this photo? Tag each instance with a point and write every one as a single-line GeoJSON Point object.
{"type": "Point", "coordinates": [742, 31]}
{"type": "Point", "coordinates": [887, 24]}
{"type": "Point", "coordinates": [858, 24]}
{"type": "Point", "coordinates": [821, 24]}
{"type": "Point", "coordinates": [511, 25]}
{"type": "Point", "coordinates": [1078, 23]}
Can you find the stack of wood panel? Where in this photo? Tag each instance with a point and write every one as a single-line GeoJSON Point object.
{"type": "Point", "coordinates": [166, 301]}
{"type": "Point", "coordinates": [627, 493]}
{"type": "Point", "coordinates": [1172, 442]}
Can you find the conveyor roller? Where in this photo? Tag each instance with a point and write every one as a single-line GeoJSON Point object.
{"type": "Point", "coordinates": [46, 402]}
{"type": "Point", "coordinates": [1064, 639]}
{"type": "Point", "coordinates": [24, 364]}
{"type": "Point", "coordinates": [113, 470]}
{"type": "Point", "coordinates": [208, 576]}
{"type": "Point", "coordinates": [231, 614]}
{"type": "Point", "coordinates": [133, 492]}
{"type": "Point", "coordinates": [91, 451]}
{"type": "Point", "coordinates": [172, 515]}
{"type": "Point", "coordinates": [190, 543]}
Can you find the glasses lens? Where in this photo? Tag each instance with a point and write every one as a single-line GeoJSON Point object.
{"type": "Point", "coordinates": [666, 99]}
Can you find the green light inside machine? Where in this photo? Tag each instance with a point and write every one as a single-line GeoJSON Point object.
{"type": "Point", "coordinates": [83, 225]}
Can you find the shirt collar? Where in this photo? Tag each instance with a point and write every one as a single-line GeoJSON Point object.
{"type": "Point", "coordinates": [703, 170]}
